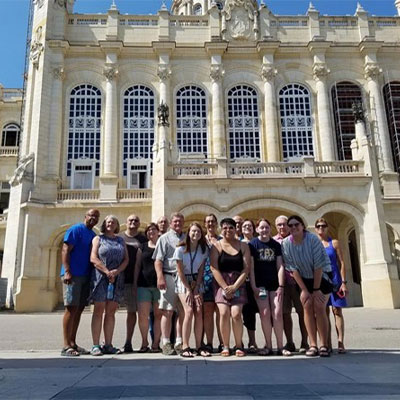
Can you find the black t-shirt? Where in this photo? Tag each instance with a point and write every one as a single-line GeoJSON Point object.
{"type": "Point", "coordinates": [265, 256]}
{"type": "Point", "coordinates": [147, 275]}
{"type": "Point", "coordinates": [130, 268]}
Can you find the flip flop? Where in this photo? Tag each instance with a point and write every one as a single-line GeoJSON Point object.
{"type": "Point", "coordinates": [187, 353]}
{"type": "Point", "coordinates": [69, 352]}
{"type": "Point", "coordinates": [144, 349]}
{"type": "Point", "coordinates": [203, 352]}
{"type": "Point", "coordinates": [81, 350]}
{"type": "Point", "coordinates": [265, 352]}
{"type": "Point", "coordinates": [312, 352]}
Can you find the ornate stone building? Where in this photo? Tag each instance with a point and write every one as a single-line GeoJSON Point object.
{"type": "Point", "coordinates": [260, 122]}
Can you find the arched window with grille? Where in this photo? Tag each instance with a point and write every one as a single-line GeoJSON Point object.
{"type": "Point", "coordinates": [10, 135]}
{"type": "Point", "coordinates": [83, 159]}
{"type": "Point", "coordinates": [197, 9]}
{"type": "Point", "coordinates": [138, 135]}
{"type": "Point", "coordinates": [296, 121]}
{"type": "Point", "coordinates": [391, 94]}
{"type": "Point", "coordinates": [243, 120]}
{"type": "Point", "coordinates": [191, 121]}
{"type": "Point", "coordinates": [344, 94]}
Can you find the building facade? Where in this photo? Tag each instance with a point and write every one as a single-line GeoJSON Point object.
{"type": "Point", "coordinates": [261, 115]}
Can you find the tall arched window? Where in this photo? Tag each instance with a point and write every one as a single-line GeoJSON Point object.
{"type": "Point", "coordinates": [244, 135]}
{"type": "Point", "coordinates": [391, 94]}
{"type": "Point", "coordinates": [83, 160]}
{"type": "Point", "coordinates": [197, 9]}
{"type": "Point", "coordinates": [191, 120]}
{"type": "Point", "coordinates": [138, 135]}
{"type": "Point", "coordinates": [296, 121]}
{"type": "Point", "coordinates": [344, 94]}
{"type": "Point", "coordinates": [10, 135]}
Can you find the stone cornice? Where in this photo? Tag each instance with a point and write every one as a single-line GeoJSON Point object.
{"type": "Point", "coordinates": [369, 46]}
{"type": "Point", "coordinates": [59, 45]}
{"type": "Point", "coordinates": [161, 48]}
{"type": "Point", "coordinates": [318, 47]}
{"type": "Point", "coordinates": [216, 48]}
{"type": "Point", "coordinates": [268, 47]}
{"type": "Point", "coordinates": [111, 46]}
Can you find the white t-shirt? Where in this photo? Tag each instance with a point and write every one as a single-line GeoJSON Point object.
{"type": "Point", "coordinates": [191, 261]}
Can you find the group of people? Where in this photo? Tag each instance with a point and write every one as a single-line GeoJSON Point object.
{"type": "Point", "coordinates": [175, 282]}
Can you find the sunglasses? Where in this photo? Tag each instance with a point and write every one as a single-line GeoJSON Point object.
{"type": "Point", "coordinates": [294, 224]}
{"type": "Point", "coordinates": [321, 226]}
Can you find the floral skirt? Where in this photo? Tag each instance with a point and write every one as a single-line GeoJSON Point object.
{"type": "Point", "coordinates": [239, 298]}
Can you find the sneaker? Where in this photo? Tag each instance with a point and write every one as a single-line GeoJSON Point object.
{"type": "Point", "coordinates": [110, 349]}
{"type": "Point", "coordinates": [128, 348]}
{"type": "Point", "coordinates": [178, 348]}
{"type": "Point", "coordinates": [168, 350]}
{"type": "Point", "coordinates": [96, 351]}
{"type": "Point", "coordinates": [290, 347]}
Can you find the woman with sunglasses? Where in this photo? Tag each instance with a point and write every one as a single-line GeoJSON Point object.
{"type": "Point", "coordinates": [230, 262]}
{"type": "Point", "coordinates": [338, 297]}
{"type": "Point", "coordinates": [305, 257]}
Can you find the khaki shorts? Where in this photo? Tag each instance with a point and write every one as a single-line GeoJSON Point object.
{"type": "Point", "coordinates": [168, 297]}
{"type": "Point", "coordinates": [80, 287]}
{"type": "Point", "coordinates": [291, 298]}
{"type": "Point", "coordinates": [129, 298]}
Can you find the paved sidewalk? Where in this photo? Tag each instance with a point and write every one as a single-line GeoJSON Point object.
{"type": "Point", "coordinates": [32, 368]}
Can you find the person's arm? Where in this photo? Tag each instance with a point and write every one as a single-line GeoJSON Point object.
{"type": "Point", "coordinates": [339, 254]}
{"type": "Point", "coordinates": [281, 275]}
{"type": "Point", "coordinates": [196, 292]}
{"type": "Point", "coordinates": [256, 290]}
{"type": "Point", "coordinates": [214, 254]}
{"type": "Point", "coordinates": [65, 256]}
{"type": "Point", "coordinates": [94, 257]}
{"type": "Point", "coordinates": [158, 257]}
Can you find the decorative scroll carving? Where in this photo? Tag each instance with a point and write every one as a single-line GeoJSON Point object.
{"type": "Point", "coordinates": [216, 72]}
{"type": "Point", "coordinates": [38, 3]}
{"type": "Point", "coordinates": [24, 170]}
{"type": "Point", "coordinates": [59, 73]}
{"type": "Point", "coordinates": [358, 112]}
{"type": "Point", "coordinates": [268, 73]}
{"type": "Point", "coordinates": [37, 47]}
{"type": "Point", "coordinates": [372, 71]}
{"type": "Point", "coordinates": [164, 72]}
{"type": "Point", "coordinates": [163, 114]}
{"type": "Point", "coordinates": [110, 73]}
{"type": "Point", "coordinates": [320, 71]}
{"type": "Point", "coordinates": [60, 3]}
{"type": "Point", "coordinates": [241, 19]}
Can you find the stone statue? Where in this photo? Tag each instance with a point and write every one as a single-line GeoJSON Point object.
{"type": "Point", "coordinates": [163, 114]}
{"type": "Point", "coordinates": [358, 112]}
{"type": "Point", "coordinates": [24, 170]}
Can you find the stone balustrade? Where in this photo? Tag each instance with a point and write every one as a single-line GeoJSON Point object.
{"type": "Point", "coordinates": [134, 194]}
{"type": "Point", "coordinates": [8, 151]}
{"type": "Point", "coordinates": [194, 169]}
{"type": "Point", "coordinates": [78, 195]}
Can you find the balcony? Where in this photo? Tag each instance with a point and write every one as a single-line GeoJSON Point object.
{"type": "Point", "coordinates": [9, 151]}
{"type": "Point", "coordinates": [93, 195]}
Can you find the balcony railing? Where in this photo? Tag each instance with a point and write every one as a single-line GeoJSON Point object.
{"type": "Point", "coordinates": [195, 169]}
{"type": "Point", "coordinates": [78, 195]}
{"type": "Point", "coordinates": [134, 194]}
{"type": "Point", "coordinates": [8, 151]}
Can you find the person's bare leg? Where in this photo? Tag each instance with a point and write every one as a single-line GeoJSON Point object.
{"type": "Point", "coordinates": [130, 326]}
{"type": "Point", "coordinates": [187, 320]}
{"type": "Point", "coordinates": [179, 320]}
{"type": "Point", "coordinates": [208, 321]}
{"type": "Point", "coordinates": [217, 324]}
{"type": "Point", "coordinates": [277, 318]}
{"type": "Point", "coordinates": [237, 324]}
{"type": "Point", "coordinates": [339, 322]}
{"type": "Point", "coordinates": [198, 325]}
{"type": "Point", "coordinates": [322, 320]}
{"type": "Point", "coordinates": [166, 318]}
{"type": "Point", "coordinates": [68, 319]}
{"type": "Point", "coordinates": [75, 324]}
{"type": "Point", "coordinates": [265, 317]}
{"type": "Point", "coordinates": [97, 321]}
{"type": "Point", "coordinates": [309, 319]}
{"type": "Point", "coordinates": [156, 326]}
{"type": "Point", "coordinates": [225, 323]}
{"type": "Point", "coordinates": [109, 321]}
{"type": "Point", "coordinates": [143, 314]}
{"type": "Point", "coordinates": [328, 310]}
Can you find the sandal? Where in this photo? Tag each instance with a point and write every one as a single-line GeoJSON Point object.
{"type": "Point", "coordinates": [110, 349]}
{"type": "Point", "coordinates": [209, 348]}
{"type": "Point", "coordinates": [81, 350]}
{"type": "Point", "coordinates": [155, 350]}
{"type": "Point", "coordinates": [225, 352]}
{"type": "Point", "coordinates": [144, 349]}
{"type": "Point", "coordinates": [265, 352]}
{"type": "Point", "coordinates": [69, 352]}
{"type": "Point", "coordinates": [324, 352]}
{"type": "Point", "coordinates": [341, 349]}
{"type": "Point", "coordinates": [239, 352]}
{"type": "Point", "coordinates": [252, 349]}
{"type": "Point", "coordinates": [96, 351]}
{"type": "Point", "coordinates": [312, 351]}
{"type": "Point", "coordinates": [284, 352]}
{"type": "Point", "coordinates": [203, 352]}
{"type": "Point", "coordinates": [187, 353]}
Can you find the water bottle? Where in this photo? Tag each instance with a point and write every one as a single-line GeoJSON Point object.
{"type": "Point", "coordinates": [263, 293]}
{"type": "Point", "coordinates": [69, 293]}
{"type": "Point", "coordinates": [110, 291]}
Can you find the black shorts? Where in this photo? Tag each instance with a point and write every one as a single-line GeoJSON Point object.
{"type": "Point", "coordinates": [326, 287]}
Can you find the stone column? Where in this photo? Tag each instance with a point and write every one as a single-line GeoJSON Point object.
{"type": "Point", "coordinates": [324, 117]}
{"type": "Point", "coordinates": [110, 144]}
{"type": "Point", "coordinates": [372, 74]}
{"type": "Point", "coordinates": [56, 126]}
{"type": "Point", "coordinates": [218, 116]}
{"type": "Point", "coordinates": [268, 73]}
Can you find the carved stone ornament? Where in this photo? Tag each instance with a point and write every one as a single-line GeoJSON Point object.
{"type": "Point", "coordinates": [38, 3]}
{"type": "Point", "coordinates": [36, 51]}
{"type": "Point", "coordinates": [110, 73]}
{"type": "Point", "coordinates": [372, 71]}
{"type": "Point", "coordinates": [163, 114]}
{"type": "Point", "coordinates": [164, 72]}
{"type": "Point", "coordinates": [320, 71]}
{"type": "Point", "coordinates": [358, 112]}
{"type": "Point", "coordinates": [59, 73]}
{"type": "Point", "coordinates": [60, 3]}
{"type": "Point", "coordinates": [216, 72]}
{"type": "Point", "coordinates": [268, 73]}
{"type": "Point", "coordinates": [241, 18]}
{"type": "Point", "coordinates": [24, 170]}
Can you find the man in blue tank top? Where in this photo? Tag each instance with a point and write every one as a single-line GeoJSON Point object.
{"type": "Point", "coordinates": [75, 276]}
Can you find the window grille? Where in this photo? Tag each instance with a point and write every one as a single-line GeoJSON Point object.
{"type": "Point", "coordinates": [344, 94]}
{"type": "Point", "coordinates": [244, 135]}
{"type": "Point", "coordinates": [391, 94]}
{"type": "Point", "coordinates": [296, 121]}
{"type": "Point", "coordinates": [138, 124]}
{"type": "Point", "coordinates": [84, 125]}
{"type": "Point", "coordinates": [197, 9]}
{"type": "Point", "coordinates": [191, 120]}
{"type": "Point", "coordinates": [10, 135]}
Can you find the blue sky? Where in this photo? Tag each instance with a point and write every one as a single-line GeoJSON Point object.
{"type": "Point", "coordinates": [14, 15]}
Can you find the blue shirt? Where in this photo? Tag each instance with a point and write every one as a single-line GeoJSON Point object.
{"type": "Point", "coordinates": [81, 238]}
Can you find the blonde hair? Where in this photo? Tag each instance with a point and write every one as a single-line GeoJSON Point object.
{"type": "Point", "coordinates": [103, 225]}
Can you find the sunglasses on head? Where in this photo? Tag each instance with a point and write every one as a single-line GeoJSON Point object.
{"type": "Point", "coordinates": [293, 224]}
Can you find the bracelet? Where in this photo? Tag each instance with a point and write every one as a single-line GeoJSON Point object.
{"type": "Point", "coordinates": [344, 282]}
{"type": "Point", "coordinates": [282, 286]}
{"type": "Point", "coordinates": [317, 289]}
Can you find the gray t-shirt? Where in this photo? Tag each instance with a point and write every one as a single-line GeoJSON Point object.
{"type": "Point", "coordinates": [165, 249]}
{"type": "Point", "coordinates": [306, 257]}
{"type": "Point", "coordinates": [191, 261]}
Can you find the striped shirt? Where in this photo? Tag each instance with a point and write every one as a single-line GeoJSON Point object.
{"type": "Point", "coordinates": [306, 257]}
